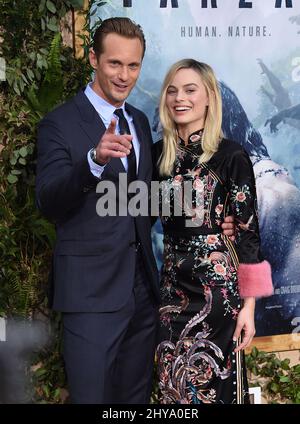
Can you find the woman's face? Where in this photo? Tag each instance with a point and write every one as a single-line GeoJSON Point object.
{"type": "Point", "coordinates": [187, 99]}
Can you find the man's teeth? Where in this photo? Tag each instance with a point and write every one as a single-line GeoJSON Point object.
{"type": "Point", "coordinates": [181, 109]}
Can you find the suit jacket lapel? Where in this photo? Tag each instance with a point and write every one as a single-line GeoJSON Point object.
{"type": "Point", "coordinates": [141, 136]}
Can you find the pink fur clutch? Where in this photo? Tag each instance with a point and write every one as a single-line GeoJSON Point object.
{"type": "Point", "coordinates": [255, 280]}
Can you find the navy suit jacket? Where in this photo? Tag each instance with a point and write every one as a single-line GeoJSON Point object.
{"type": "Point", "coordinates": [94, 257]}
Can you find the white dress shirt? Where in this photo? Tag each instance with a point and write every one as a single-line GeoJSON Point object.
{"type": "Point", "coordinates": [106, 113]}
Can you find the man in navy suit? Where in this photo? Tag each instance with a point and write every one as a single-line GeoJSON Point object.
{"type": "Point", "coordinates": [104, 271]}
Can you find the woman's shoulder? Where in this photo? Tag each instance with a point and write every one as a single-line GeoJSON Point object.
{"type": "Point", "coordinates": [230, 147]}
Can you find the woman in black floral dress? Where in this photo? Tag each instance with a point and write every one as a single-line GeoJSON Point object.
{"type": "Point", "coordinates": [209, 284]}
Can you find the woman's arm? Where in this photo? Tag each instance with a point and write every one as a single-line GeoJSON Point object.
{"type": "Point", "coordinates": [254, 273]}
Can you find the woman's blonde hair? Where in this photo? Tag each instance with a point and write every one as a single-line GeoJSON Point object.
{"type": "Point", "coordinates": [212, 133]}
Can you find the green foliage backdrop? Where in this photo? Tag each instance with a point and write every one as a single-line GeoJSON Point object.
{"type": "Point", "coordinates": [41, 72]}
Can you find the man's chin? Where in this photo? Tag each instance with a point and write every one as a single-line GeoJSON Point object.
{"type": "Point", "coordinates": [120, 99]}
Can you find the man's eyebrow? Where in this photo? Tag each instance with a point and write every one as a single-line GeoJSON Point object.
{"type": "Point", "coordinates": [120, 62]}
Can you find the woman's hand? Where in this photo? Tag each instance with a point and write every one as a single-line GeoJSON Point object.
{"type": "Point", "coordinates": [245, 324]}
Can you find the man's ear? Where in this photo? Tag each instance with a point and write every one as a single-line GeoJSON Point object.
{"type": "Point", "coordinates": [93, 59]}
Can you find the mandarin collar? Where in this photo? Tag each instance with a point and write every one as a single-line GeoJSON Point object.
{"type": "Point", "coordinates": [195, 138]}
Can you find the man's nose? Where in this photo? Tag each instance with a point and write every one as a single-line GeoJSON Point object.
{"type": "Point", "coordinates": [123, 74]}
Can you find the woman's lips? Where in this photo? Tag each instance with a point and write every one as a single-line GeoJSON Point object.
{"type": "Point", "coordinates": [181, 110]}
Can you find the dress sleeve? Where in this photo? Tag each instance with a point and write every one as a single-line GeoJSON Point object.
{"type": "Point", "coordinates": [254, 273]}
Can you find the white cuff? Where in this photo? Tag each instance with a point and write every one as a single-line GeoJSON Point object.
{"type": "Point", "coordinates": [94, 168]}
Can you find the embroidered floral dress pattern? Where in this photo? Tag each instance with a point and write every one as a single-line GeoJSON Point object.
{"type": "Point", "coordinates": [199, 292]}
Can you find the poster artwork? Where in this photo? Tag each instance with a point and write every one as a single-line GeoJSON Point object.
{"type": "Point", "coordinates": [254, 48]}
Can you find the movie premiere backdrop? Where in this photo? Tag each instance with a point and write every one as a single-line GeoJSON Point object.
{"type": "Point", "coordinates": [254, 48]}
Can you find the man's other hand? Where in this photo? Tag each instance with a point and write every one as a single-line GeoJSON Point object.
{"type": "Point", "coordinates": [229, 227]}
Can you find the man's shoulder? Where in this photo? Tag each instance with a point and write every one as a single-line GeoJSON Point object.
{"type": "Point", "coordinates": [132, 110]}
{"type": "Point", "coordinates": [67, 110]}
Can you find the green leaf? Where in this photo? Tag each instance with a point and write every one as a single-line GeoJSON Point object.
{"type": "Point", "coordinates": [77, 4]}
{"type": "Point", "coordinates": [52, 27]}
{"type": "Point", "coordinates": [16, 172]}
{"type": "Point", "coordinates": [23, 152]}
{"type": "Point", "coordinates": [22, 161]}
{"type": "Point", "coordinates": [30, 148]}
{"type": "Point", "coordinates": [13, 161]}
{"type": "Point", "coordinates": [43, 25]}
{"type": "Point", "coordinates": [24, 78]}
{"type": "Point", "coordinates": [42, 6]}
{"type": "Point", "coordinates": [56, 393]}
{"type": "Point", "coordinates": [40, 371]}
{"type": "Point", "coordinates": [285, 364]}
{"type": "Point", "coordinates": [30, 74]}
{"type": "Point", "coordinates": [38, 74]}
{"type": "Point", "coordinates": [32, 55]}
{"type": "Point", "coordinates": [12, 179]}
{"type": "Point", "coordinates": [21, 84]}
{"type": "Point", "coordinates": [285, 379]}
{"type": "Point", "coordinates": [274, 387]}
{"type": "Point", "coordinates": [254, 352]}
{"type": "Point", "coordinates": [46, 390]}
{"type": "Point", "coordinates": [16, 88]}
{"type": "Point", "coordinates": [50, 6]}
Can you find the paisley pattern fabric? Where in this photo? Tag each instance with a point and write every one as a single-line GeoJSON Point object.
{"type": "Point", "coordinates": [199, 290]}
